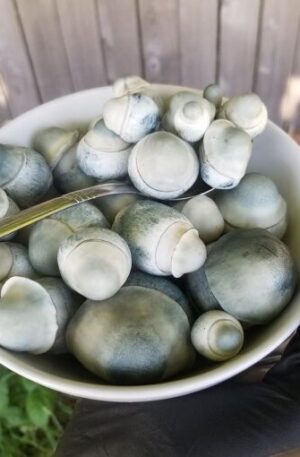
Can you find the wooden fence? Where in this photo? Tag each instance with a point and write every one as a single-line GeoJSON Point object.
{"type": "Point", "coordinates": [49, 48]}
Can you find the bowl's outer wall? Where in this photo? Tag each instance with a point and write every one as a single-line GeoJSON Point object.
{"type": "Point", "coordinates": [274, 154]}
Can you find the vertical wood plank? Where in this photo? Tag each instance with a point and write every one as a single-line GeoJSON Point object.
{"type": "Point", "coordinates": [276, 52]}
{"type": "Point", "coordinates": [80, 32]}
{"type": "Point", "coordinates": [239, 21]}
{"type": "Point", "coordinates": [118, 21]}
{"type": "Point", "coordinates": [18, 91]}
{"type": "Point", "coordinates": [160, 40]}
{"type": "Point", "coordinates": [198, 23]}
{"type": "Point", "coordinates": [46, 46]}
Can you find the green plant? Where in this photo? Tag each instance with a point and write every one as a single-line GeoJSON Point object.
{"type": "Point", "coordinates": [32, 418]}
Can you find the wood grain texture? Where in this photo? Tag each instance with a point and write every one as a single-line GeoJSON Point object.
{"type": "Point", "coordinates": [46, 46]}
{"type": "Point", "coordinates": [198, 24]}
{"type": "Point", "coordinates": [18, 91]}
{"type": "Point", "coordinates": [160, 40]}
{"type": "Point", "coordinates": [118, 21]}
{"type": "Point", "coordinates": [79, 26]}
{"type": "Point", "coordinates": [276, 53]}
{"type": "Point", "coordinates": [239, 21]}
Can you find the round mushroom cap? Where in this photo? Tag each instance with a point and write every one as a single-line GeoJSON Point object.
{"type": "Point", "coordinates": [129, 84]}
{"type": "Point", "coordinates": [94, 262]}
{"type": "Point", "coordinates": [131, 116]}
{"type": "Point", "coordinates": [224, 154]}
{"type": "Point", "coordinates": [14, 261]}
{"type": "Point", "coordinates": [101, 138]}
{"type": "Point", "coordinates": [163, 166]}
{"type": "Point", "coordinates": [217, 335]}
{"type": "Point", "coordinates": [254, 203]}
{"type": "Point", "coordinates": [214, 94]}
{"type": "Point", "coordinates": [138, 336]}
{"type": "Point", "coordinates": [251, 274]}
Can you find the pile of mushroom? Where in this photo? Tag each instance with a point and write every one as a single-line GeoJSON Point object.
{"type": "Point", "coordinates": [135, 285]}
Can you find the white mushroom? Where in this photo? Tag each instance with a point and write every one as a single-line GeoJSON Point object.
{"type": "Point", "coordinates": [214, 94]}
{"type": "Point", "coordinates": [137, 336]}
{"type": "Point", "coordinates": [103, 154]}
{"type": "Point", "coordinates": [7, 208]}
{"type": "Point", "coordinates": [24, 174]}
{"type": "Point", "coordinates": [163, 166]}
{"type": "Point", "coordinates": [95, 262]}
{"type": "Point", "coordinates": [254, 203]}
{"type": "Point", "coordinates": [162, 241]}
{"type": "Point", "coordinates": [205, 216]}
{"type": "Point", "coordinates": [111, 205]}
{"type": "Point", "coordinates": [188, 116]}
{"type": "Point", "coordinates": [47, 235]}
{"type": "Point", "coordinates": [54, 142]}
{"type": "Point", "coordinates": [217, 336]}
{"type": "Point", "coordinates": [127, 85]}
{"type": "Point", "coordinates": [14, 261]}
{"type": "Point", "coordinates": [247, 112]}
{"type": "Point", "coordinates": [224, 154]}
{"type": "Point", "coordinates": [34, 314]}
{"type": "Point", "coordinates": [131, 116]}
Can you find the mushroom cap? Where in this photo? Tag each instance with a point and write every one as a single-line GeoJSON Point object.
{"type": "Point", "coordinates": [214, 94]}
{"type": "Point", "coordinates": [138, 336]}
{"type": "Point", "coordinates": [131, 116]}
{"type": "Point", "coordinates": [129, 84]}
{"type": "Point", "coordinates": [111, 205]}
{"type": "Point", "coordinates": [251, 274]}
{"type": "Point", "coordinates": [199, 290]}
{"type": "Point", "coordinates": [205, 216]}
{"type": "Point", "coordinates": [14, 261]}
{"type": "Point", "coordinates": [7, 208]}
{"type": "Point", "coordinates": [217, 335]}
{"type": "Point", "coordinates": [254, 203]}
{"type": "Point", "coordinates": [54, 142]}
{"type": "Point", "coordinates": [224, 154]}
{"type": "Point", "coordinates": [163, 166]}
{"type": "Point", "coordinates": [248, 112]}
{"type": "Point", "coordinates": [94, 262]}
{"type": "Point", "coordinates": [101, 138]}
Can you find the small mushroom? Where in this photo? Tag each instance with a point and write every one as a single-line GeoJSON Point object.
{"type": "Point", "coordinates": [14, 261]}
{"type": "Point", "coordinates": [7, 208]}
{"type": "Point", "coordinates": [188, 116]}
{"type": "Point", "coordinates": [131, 117]}
{"type": "Point", "coordinates": [224, 154]}
{"type": "Point", "coordinates": [127, 85]}
{"type": "Point", "coordinates": [54, 142]}
{"type": "Point", "coordinates": [214, 94]}
{"type": "Point", "coordinates": [111, 205]}
{"type": "Point", "coordinates": [251, 275]}
{"type": "Point", "coordinates": [102, 154]}
{"type": "Point", "coordinates": [24, 174]}
{"type": "Point", "coordinates": [163, 166]}
{"type": "Point", "coordinates": [246, 111]}
{"type": "Point", "coordinates": [138, 336]}
{"type": "Point", "coordinates": [34, 314]}
{"type": "Point", "coordinates": [254, 203]}
{"type": "Point", "coordinates": [205, 216]}
{"type": "Point", "coordinates": [162, 241]}
{"type": "Point", "coordinates": [217, 335]}
{"type": "Point", "coordinates": [95, 262]}
{"type": "Point", "coordinates": [47, 235]}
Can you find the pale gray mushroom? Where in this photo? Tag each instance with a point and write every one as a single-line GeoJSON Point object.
{"type": "Point", "coordinates": [7, 208]}
{"type": "Point", "coordinates": [128, 84]}
{"type": "Point", "coordinates": [95, 262]}
{"type": "Point", "coordinates": [217, 335]}
{"type": "Point", "coordinates": [131, 116]}
{"type": "Point", "coordinates": [47, 235]}
{"type": "Point", "coordinates": [214, 94]}
{"type": "Point", "coordinates": [111, 205]}
{"type": "Point", "coordinates": [188, 116]}
{"type": "Point", "coordinates": [102, 154]}
{"type": "Point", "coordinates": [54, 142]}
{"type": "Point", "coordinates": [250, 274]}
{"type": "Point", "coordinates": [163, 166]}
{"type": "Point", "coordinates": [34, 314]}
{"type": "Point", "coordinates": [224, 154]}
{"type": "Point", "coordinates": [14, 261]}
{"type": "Point", "coordinates": [164, 285]}
{"type": "Point", "coordinates": [254, 203]}
{"type": "Point", "coordinates": [24, 174]}
{"type": "Point", "coordinates": [205, 216]}
{"type": "Point", "coordinates": [138, 336]}
{"type": "Point", "coordinates": [162, 241]}
{"type": "Point", "coordinates": [246, 111]}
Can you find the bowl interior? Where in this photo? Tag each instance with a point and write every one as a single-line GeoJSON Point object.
{"type": "Point", "coordinates": [274, 154]}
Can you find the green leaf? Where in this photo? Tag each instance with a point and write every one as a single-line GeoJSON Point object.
{"type": "Point", "coordinates": [29, 386]}
{"type": "Point", "coordinates": [37, 411]}
{"type": "Point", "coordinates": [15, 417]}
{"type": "Point", "coordinates": [4, 395]}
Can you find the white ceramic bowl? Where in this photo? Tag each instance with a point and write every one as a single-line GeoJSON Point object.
{"type": "Point", "coordinates": [275, 154]}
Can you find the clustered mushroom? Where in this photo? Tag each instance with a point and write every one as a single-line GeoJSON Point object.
{"type": "Point", "coordinates": [134, 286]}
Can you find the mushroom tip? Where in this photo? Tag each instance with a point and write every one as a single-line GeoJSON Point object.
{"type": "Point", "coordinates": [189, 254]}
